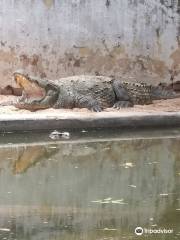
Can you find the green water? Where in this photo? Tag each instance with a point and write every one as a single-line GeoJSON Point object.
{"type": "Point", "coordinates": [96, 185]}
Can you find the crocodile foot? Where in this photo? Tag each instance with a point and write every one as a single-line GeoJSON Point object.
{"type": "Point", "coordinates": [96, 108]}
{"type": "Point", "coordinates": [123, 104]}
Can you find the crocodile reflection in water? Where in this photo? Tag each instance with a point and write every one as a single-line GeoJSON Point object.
{"type": "Point", "coordinates": [30, 156]}
{"type": "Point", "coordinates": [26, 157]}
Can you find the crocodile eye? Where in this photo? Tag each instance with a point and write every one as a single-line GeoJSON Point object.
{"type": "Point", "coordinates": [52, 86]}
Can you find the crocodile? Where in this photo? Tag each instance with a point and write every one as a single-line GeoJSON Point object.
{"type": "Point", "coordinates": [93, 92]}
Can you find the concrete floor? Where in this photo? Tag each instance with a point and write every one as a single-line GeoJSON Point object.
{"type": "Point", "coordinates": [164, 113]}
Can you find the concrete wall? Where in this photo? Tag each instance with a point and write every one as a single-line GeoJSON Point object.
{"type": "Point", "coordinates": [52, 38]}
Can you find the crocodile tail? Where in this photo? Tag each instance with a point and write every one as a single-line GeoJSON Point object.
{"type": "Point", "coordinates": [160, 92]}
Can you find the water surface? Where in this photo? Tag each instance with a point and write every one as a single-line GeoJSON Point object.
{"type": "Point", "coordinates": [96, 185]}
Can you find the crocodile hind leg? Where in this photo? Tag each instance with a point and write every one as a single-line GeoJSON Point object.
{"type": "Point", "coordinates": [122, 96]}
{"type": "Point", "coordinates": [87, 102]}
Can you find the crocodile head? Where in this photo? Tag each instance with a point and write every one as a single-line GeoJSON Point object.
{"type": "Point", "coordinates": [36, 93]}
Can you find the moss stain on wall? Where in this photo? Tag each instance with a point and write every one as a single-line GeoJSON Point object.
{"type": "Point", "coordinates": [48, 3]}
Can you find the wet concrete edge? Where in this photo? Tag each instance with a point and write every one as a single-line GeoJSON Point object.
{"type": "Point", "coordinates": [77, 121]}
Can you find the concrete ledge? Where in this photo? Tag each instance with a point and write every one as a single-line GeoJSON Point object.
{"type": "Point", "coordinates": [79, 120]}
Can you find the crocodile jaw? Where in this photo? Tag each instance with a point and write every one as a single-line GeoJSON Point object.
{"type": "Point", "coordinates": [31, 89]}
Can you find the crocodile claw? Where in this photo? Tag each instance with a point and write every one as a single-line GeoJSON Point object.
{"type": "Point", "coordinates": [96, 108]}
{"type": "Point", "coordinates": [122, 104]}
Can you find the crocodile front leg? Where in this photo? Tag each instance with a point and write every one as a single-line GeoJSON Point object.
{"type": "Point", "coordinates": [122, 96]}
{"type": "Point", "coordinates": [87, 102]}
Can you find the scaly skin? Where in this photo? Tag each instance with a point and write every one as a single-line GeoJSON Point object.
{"type": "Point", "coordinates": [92, 92]}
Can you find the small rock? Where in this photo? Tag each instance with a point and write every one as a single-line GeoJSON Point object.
{"type": "Point", "coordinates": [55, 135]}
